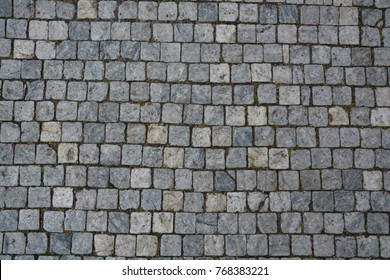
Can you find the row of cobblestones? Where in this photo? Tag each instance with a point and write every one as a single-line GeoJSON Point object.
{"type": "Point", "coordinates": [208, 11]}
{"type": "Point", "coordinates": [194, 129]}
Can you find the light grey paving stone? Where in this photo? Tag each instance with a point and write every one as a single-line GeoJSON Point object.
{"type": "Point", "coordinates": [214, 245]}
{"type": "Point", "coordinates": [283, 75]}
{"type": "Point", "coordinates": [301, 245]}
{"type": "Point", "coordinates": [60, 244]}
{"type": "Point", "coordinates": [236, 202]}
{"type": "Point", "coordinates": [268, 13]}
{"type": "Point", "coordinates": [53, 221]}
{"type": "Point", "coordinates": [277, 115]}
{"type": "Point", "coordinates": [386, 181]}
{"type": "Point", "coordinates": [321, 54]}
{"type": "Point", "coordinates": [173, 200]}
{"type": "Point", "coordinates": [96, 221]}
{"type": "Point", "coordinates": [352, 179]}
{"type": "Point", "coordinates": [246, 33]}
{"type": "Point", "coordinates": [300, 159]}
{"type": "Point", "coordinates": [74, 220]}
{"type": "Point", "coordinates": [235, 245]}
{"type": "Point", "coordinates": [267, 180]}
{"type": "Point", "coordinates": [15, 197]}
{"type": "Point", "coordinates": [30, 132]}
{"type": "Point", "coordinates": [354, 222]}
{"type": "Point", "coordinates": [267, 34]}
{"type": "Point", "coordinates": [110, 154]}
{"type": "Point", "coordinates": [291, 222]}
{"type": "Point", "coordinates": [280, 201]}
{"type": "Point", "coordinates": [323, 201]}
{"type": "Point", "coordinates": [118, 222]}
{"type": "Point", "coordinates": [287, 34]}
{"type": "Point", "coordinates": [370, 36]}
{"type": "Point", "coordinates": [279, 245]}
{"type": "Point", "coordinates": [13, 90]}
{"type": "Point", "coordinates": [82, 243]}
{"type": "Point", "coordinates": [206, 223]}
{"type": "Point", "coordinates": [313, 223]}
{"type": "Point", "coordinates": [39, 197]}
{"type": "Point", "coordinates": [323, 245]}
{"type": "Point", "coordinates": [257, 245]}
{"type": "Point", "coordinates": [367, 246]}
{"type": "Point", "coordinates": [376, 76]}
{"type": "Point", "coordinates": [384, 242]}
{"type": "Point", "coordinates": [7, 11]}
{"type": "Point", "coordinates": [321, 158]}
{"type": "Point", "coordinates": [202, 181]}
{"type": "Point", "coordinates": [37, 243]}
{"type": "Point", "coordinates": [216, 202]}
{"type": "Point", "coordinates": [264, 136]}
{"type": "Point", "coordinates": [125, 245]}
{"type": "Point", "coordinates": [377, 223]}
{"type": "Point", "coordinates": [98, 177]}
{"type": "Point", "coordinates": [227, 223]}
{"type": "Point", "coordinates": [129, 199]}
{"type": "Point", "coordinates": [252, 53]}
{"type": "Point", "coordinates": [285, 137]}
{"type": "Point", "coordinates": [103, 244]}
{"type": "Point", "coordinates": [344, 201]}
{"type": "Point", "coordinates": [335, 75]}
{"type": "Point", "coordinates": [208, 12]}
{"type": "Point", "coordinates": [342, 158]}
{"type": "Point", "coordinates": [9, 175]}
{"type": "Point", "coordinates": [300, 201]}
{"type": "Point", "coordinates": [14, 243]}
{"type": "Point", "coordinates": [193, 245]}
{"type": "Point", "coordinates": [107, 199]}
{"type": "Point", "coordinates": [224, 181]}
{"type": "Point", "coordinates": [185, 223]}
{"type": "Point", "coordinates": [247, 223]}
{"type": "Point", "coordinates": [76, 176]}
{"type": "Point", "coordinates": [362, 201]}
{"type": "Point", "coordinates": [79, 30]}
{"type": "Point", "coordinates": [151, 199]}
{"type": "Point", "coordinates": [9, 220]}
{"type": "Point", "coordinates": [379, 201]}
{"type": "Point", "coordinates": [345, 247]}
{"type": "Point", "coordinates": [298, 78]}
{"type": "Point", "coordinates": [48, 258]}
{"type": "Point", "coordinates": [2, 192]}
{"type": "Point", "coordinates": [152, 157]}
{"type": "Point", "coordinates": [16, 28]}
{"type": "Point", "coordinates": [272, 53]}
{"type": "Point", "coordinates": [29, 219]}
{"type": "Point", "coordinates": [370, 137]}
{"type": "Point", "coordinates": [171, 245]}
{"type": "Point", "coordinates": [193, 202]}
{"type": "Point", "coordinates": [246, 180]}
{"type": "Point", "coordinates": [163, 222]}
{"type": "Point", "coordinates": [248, 13]}
{"type": "Point", "coordinates": [306, 137]}
{"type": "Point", "coordinates": [6, 153]}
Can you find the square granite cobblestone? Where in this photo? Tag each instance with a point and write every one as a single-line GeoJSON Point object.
{"type": "Point", "coordinates": [196, 129]}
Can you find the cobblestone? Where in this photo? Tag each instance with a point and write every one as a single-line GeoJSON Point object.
{"type": "Point", "coordinates": [211, 129]}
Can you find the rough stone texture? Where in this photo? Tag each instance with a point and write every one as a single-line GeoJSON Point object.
{"type": "Point", "coordinates": [194, 129]}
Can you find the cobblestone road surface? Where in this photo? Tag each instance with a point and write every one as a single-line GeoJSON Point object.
{"type": "Point", "coordinates": [194, 129]}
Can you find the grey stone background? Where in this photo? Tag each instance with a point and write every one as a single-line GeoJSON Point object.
{"type": "Point", "coordinates": [194, 129]}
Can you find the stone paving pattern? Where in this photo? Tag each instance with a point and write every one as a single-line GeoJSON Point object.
{"type": "Point", "coordinates": [194, 129]}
